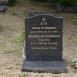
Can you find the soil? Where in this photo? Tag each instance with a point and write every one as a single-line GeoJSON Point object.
{"type": "Point", "coordinates": [11, 23]}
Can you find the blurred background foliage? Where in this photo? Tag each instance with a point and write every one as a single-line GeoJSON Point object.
{"type": "Point", "coordinates": [61, 2]}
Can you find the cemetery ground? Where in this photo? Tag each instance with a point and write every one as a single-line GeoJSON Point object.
{"type": "Point", "coordinates": [12, 31]}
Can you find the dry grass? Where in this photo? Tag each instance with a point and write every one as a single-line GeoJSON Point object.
{"type": "Point", "coordinates": [12, 39]}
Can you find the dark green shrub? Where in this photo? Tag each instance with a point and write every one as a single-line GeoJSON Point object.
{"type": "Point", "coordinates": [50, 1]}
{"type": "Point", "coordinates": [61, 2]}
{"type": "Point", "coordinates": [64, 2]}
{"type": "Point", "coordinates": [40, 0]}
{"type": "Point", "coordinates": [10, 2]}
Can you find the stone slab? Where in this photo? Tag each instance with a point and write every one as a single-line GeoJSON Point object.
{"type": "Point", "coordinates": [44, 66]}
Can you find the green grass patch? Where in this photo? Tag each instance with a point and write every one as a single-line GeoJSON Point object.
{"type": "Point", "coordinates": [17, 40]}
{"type": "Point", "coordinates": [69, 62]}
{"type": "Point", "coordinates": [34, 2]}
{"type": "Point", "coordinates": [41, 75]}
{"type": "Point", "coordinates": [14, 13]}
{"type": "Point", "coordinates": [16, 52]}
{"type": "Point", "coordinates": [22, 27]}
{"type": "Point", "coordinates": [23, 75]}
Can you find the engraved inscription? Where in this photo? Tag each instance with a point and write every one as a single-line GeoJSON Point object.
{"type": "Point", "coordinates": [43, 35]}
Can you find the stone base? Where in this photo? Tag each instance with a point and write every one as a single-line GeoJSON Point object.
{"type": "Point", "coordinates": [44, 66]}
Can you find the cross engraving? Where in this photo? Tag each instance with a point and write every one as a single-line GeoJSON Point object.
{"type": "Point", "coordinates": [43, 21]}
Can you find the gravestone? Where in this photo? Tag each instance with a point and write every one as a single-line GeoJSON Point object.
{"type": "Point", "coordinates": [2, 6]}
{"type": "Point", "coordinates": [43, 44]}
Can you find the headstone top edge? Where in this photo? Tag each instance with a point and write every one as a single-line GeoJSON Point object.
{"type": "Point", "coordinates": [29, 17]}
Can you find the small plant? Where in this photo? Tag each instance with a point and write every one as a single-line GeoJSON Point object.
{"type": "Point", "coordinates": [23, 75]}
{"type": "Point", "coordinates": [13, 13]}
{"type": "Point", "coordinates": [69, 62]}
{"type": "Point", "coordinates": [41, 75]}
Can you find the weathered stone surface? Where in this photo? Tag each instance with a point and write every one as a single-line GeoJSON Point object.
{"type": "Point", "coordinates": [49, 50]}
{"type": "Point", "coordinates": [45, 66]}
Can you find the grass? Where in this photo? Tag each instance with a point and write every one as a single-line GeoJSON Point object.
{"type": "Point", "coordinates": [23, 75]}
{"type": "Point", "coordinates": [41, 75]}
{"type": "Point", "coordinates": [16, 52]}
{"type": "Point", "coordinates": [68, 61]}
{"type": "Point", "coordinates": [70, 65]}
{"type": "Point", "coordinates": [15, 43]}
{"type": "Point", "coordinates": [34, 3]}
{"type": "Point", "coordinates": [12, 42]}
{"type": "Point", "coordinates": [14, 13]}
{"type": "Point", "coordinates": [17, 40]}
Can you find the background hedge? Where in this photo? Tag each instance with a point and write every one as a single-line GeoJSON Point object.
{"type": "Point", "coordinates": [61, 2]}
